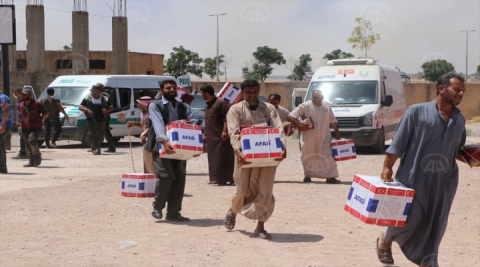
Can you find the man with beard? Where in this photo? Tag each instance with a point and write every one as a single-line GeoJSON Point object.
{"type": "Point", "coordinates": [317, 159]}
{"type": "Point", "coordinates": [171, 173]}
{"type": "Point", "coordinates": [220, 152]}
{"type": "Point", "coordinates": [254, 197]}
{"type": "Point", "coordinates": [427, 140]}
{"type": "Point", "coordinates": [31, 116]}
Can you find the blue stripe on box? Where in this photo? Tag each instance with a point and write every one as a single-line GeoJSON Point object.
{"type": "Point", "coordinates": [226, 100]}
{"type": "Point", "coordinates": [246, 144]}
{"type": "Point", "coordinates": [351, 193]}
{"type": "Point", "coordinates": [334, 151]}
{"type": "Point", "coordinates": [141, 186]}
{"type": "Point", "coordinates": [407, 209]}
{"type": "Point", "coordinates": [200, 139]}
{"type": "Point", "coordinates": [372, 205]}
{"type": "Point", "coordinates": [175, 136]}
{"type": "Point", "coordinates": [353, 150]}
{"type": "Point", "coordinates": [123, 184]}
{"type": "Point", "coordinates": [278, 142]}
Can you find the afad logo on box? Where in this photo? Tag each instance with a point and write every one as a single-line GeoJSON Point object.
{"type": "Point", "coordinates": [344, 150]}
{"type": "Point", "coordinates": [262, 143]}
{"type": "Point", "coordinates": [360, 199]}
{"type": "Point", "coordinates": [188, 137]}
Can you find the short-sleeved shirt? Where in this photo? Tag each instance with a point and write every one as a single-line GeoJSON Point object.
{"type": "Point", "coordinates": [51, 104]}
{"type": "Point", "coordinates": [5, 100]}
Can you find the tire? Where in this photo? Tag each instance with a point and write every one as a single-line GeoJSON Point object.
{"type": "Point", "coordinates": [86, 140]}
{"type": "Point", "coordinates": [379, 147]}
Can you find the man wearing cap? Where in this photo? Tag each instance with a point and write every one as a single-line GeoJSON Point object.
{"type": "Point", "coordinates": [95, 106]}
{"type": "Point", "coordinates": [31, 115]}
{"type": "Point", "coordinates": [5, 126]}
{"type": "Point", "coordinates": [54, 107]}
{"type": "Point", "coordinates": [108, 134]}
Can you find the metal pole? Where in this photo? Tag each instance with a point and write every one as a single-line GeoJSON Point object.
{"type": "Point", "coordinates": [217, 50]}
{"type": "Point", "coordinates": [6, 74]}
{"type": "Point", "coordinates": [466, 59]}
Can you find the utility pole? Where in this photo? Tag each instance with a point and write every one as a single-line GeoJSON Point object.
{"type": "Point", "coordinates": [216, 70]}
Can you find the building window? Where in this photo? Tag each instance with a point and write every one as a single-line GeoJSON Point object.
{"type": "Point", "coordinates": [21, 64]}
{"type": "Point", "coordinates": [149, 72]}
{"type": "Point", "coordinates": [63, 63]}
{"type": "Point", "coordinates": [96, 64]}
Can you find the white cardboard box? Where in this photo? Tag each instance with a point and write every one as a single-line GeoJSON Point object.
{"type": "Point", "coordinates": [180, 93]}
{"type": "Point", "coordinates": [138, 184]}
{"type": "Point", "coordinates": [343, 149]}
{"type": "Point", "coordinates": [230, 93]}
{"type": "Point", "coordinates": [375, 202]}
{"type": "Point", "coordinates": [261, 146]}
{"type": "Point", "coordinates": [186, 139]}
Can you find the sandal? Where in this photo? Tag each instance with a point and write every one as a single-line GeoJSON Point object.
{"type": "Point", "coordinates": [230, 219]}
{"type": "Point", "coordinates": [262, 234]}
{"type": "Point", "coordinates": [384, 254]}
{"type": "Point", "coordinates": [333, 180]}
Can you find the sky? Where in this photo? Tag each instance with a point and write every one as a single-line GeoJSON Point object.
{"type": "Point", "coordinates": [411, 32]}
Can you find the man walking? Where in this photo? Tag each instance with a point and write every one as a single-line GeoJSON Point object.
{"type": "Point", "coordinates": [95, 106]}
{"type": "Point", "coordinates": [427, 140]}
{"type": "Point", "coordinates": [220, 152]}
{"type": "Point", "coordinates": [317, 159]}
{"type": "Point", "coordinates": [275, 99]}
{"type": "Point", "coordinates": [5, 127]}
{"type": "Point", "coordinates": [108, 133]}
{"type": "Point", "coordinates": [22, 154]}
{"type": "Point", "coordinates": [171, 173]}
{"type": "Point", "coordinates": [54, 107]}
{"type": "Point", "coordinates": [31, 115]}
{"type": "Point", "coordinates": [254, 197]}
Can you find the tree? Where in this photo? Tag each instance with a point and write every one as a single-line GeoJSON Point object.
{"type": "Point", "coordinates": [300, 67]}
{"type": "Point", "coordinates": [210, 65]}
{"type": "Point", "coordinates": [68, 48]}
{"type": "Point", "coordinates": [337, 54]}
{"type": "Point", "coordinates": [478, 69]}
{"type": "Point", "coordinates": [182, 62]}
{"type": "Point", "coordinates": [362, 36]}
{"type": "Point", "coordinates": [225, 64]}
{"type": "Point", "coordinates": [433, 69]}
{"type": "Point", "coordinates": [261, 66]}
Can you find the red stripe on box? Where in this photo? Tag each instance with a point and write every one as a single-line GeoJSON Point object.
{"type": "Point", "coordinates": [410, 193]}
{"type": "Point", "coordinates": [355, 213]}
{"type": "Point", "coordinates": [396, 192]}
{"type": "Point", "coordinates": [150, 194]}
{"type": "Point", "coordinates": [276, 155]}
{"type": "Point", "coordinates": [124, 194]}
{"type": "Point", "coordinates": [177, 146]}
{"type": "Point", "coordinates": [356, 179]}
{"type": "Point", "coordinates": [141, 195]}
{"type": "Point", "coordinates": [365, 219]}
{"type": "Point", "coordinates": [238, 97]}
{"type": "Point", "coordinates": [184, 147]}
{"type": "Point", "coordinates": [364, 183]}
{"type": "Point", "coordinates": [401, 223]}
{"type": "Point", "coordinates": [161, 154]}
{"type": "Point", "coordinates": [346, 208]}
{"type": "Point", "coordinates": [260, 155]}
{"type": "Point", "coordinates": [259, 131]}
{"type": "Point", "coordinates": [274, 130]}
{"type": "Point", "coordinates": [387, 222]}
{"type": "Point", "coordinates": [248, 156]}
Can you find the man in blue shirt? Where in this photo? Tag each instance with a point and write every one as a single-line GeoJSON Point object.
{"type": "Point", "coordinates": [5, 126]}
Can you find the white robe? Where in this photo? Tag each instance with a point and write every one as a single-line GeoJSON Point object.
{"type": "Point", "coordinates": [317, 158]}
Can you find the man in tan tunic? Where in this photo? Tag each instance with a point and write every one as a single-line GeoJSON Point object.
{"type": "Point", "coordinates": [275, 99]}
{"type": "Point", "coordinates": [254, 197]}
{"type": "Point", "coordinates": [317, 159]}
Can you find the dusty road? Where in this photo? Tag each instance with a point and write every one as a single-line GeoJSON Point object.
{"type": "Point", "coordinates": [69, 212]}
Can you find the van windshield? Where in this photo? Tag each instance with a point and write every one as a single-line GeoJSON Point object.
{"type": "Point", "coordinates": [69, 96]}
{"type": "Point", "coordinates": [346, 92]}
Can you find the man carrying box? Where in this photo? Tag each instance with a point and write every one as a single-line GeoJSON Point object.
{"type": "Point", "coordinates": [317, 159]}
{"type": "Point", "coordinates": [427, 140]}
{"type": "Point", "coordinates": [254, 197]}
{"type": "Point", "coordinates": [171, 173]}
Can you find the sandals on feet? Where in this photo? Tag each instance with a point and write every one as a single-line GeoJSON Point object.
{"type": "Point", "coordinates": [384, 254]}
{"type": "Point", "coordinates": [262, 234]}
{"type": "Point", "coordinates": [332, 180]}
{"type": "Point", "coordinates": [230, 219]}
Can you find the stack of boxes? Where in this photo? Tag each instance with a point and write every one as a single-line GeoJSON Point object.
{"type": "Point", "coordinates": [261, 146]}
{"type": "Point", "coordinates": [375, 202]}
{"type": "Point", "coordinates": [138, 185]}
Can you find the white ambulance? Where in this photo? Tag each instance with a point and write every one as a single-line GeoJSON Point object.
{"type": "Point", "coordinates": [124, 90]}
{"type": "Point", "coordinates": [367, 99]}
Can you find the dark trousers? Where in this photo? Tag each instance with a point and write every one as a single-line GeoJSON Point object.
{"type": "Point", "coordinates": [170, 186]}
{"type": "Point", "coordinates": [3, 153]}
{"type": "Point", "coordinates": [108, 135]}
{"type": "Point", "coordinates": [96, 131]}
{"type": "Point", "coordinates": [23, 150]}
{"type": "Point", "coordinates": [30, 137]}
{"type": "Point", "coordinates": [57, 126]}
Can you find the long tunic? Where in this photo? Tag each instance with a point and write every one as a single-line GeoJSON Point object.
{"type": "Point", "coordinates": [220, 153]}
{"type": "Point", "coordinates": [317, 158]}
{"type": "Point", "coordinates": [254, 196]}
{"type": "Point", "coordinates": [283, 113]}
{"type": "Point", "coordinates": [427, 146]}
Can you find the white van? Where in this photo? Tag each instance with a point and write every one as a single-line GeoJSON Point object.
{"type": "Point", "coordinates": [367, 99]}
{"type": "Point", "coordinates": [124, 90]}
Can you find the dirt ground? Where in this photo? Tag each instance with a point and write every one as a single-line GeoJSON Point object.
{"type": "Point", "coordinates": [69, 212]}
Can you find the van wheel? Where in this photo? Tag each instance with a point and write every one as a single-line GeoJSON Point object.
{"type": "Point", "coordinates": [86, 140]}
{"type": "Point", "coordinates": [379, 147]}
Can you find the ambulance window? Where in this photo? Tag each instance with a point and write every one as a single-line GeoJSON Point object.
{"type": "Point", "coordinates": [137, 93]}
{"type": "Point", "coordinates": [125, 95]}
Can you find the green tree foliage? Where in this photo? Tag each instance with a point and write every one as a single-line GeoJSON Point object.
{"type": "Point", "coordinates": [183, 62]}
{"type": "Point", "coordinates": [210, 64]}
{"type": "Point", "coordinates": [68, 48]}
{"type": "Point", "coordinates": [300, 67]}
{"type": "Point", "coordinates": [362, 37]}
{"type": "Point", "coordinates": [337, 54]}
{"type": "Point", "coordinates": [433, 69]}
{"type": "Point", "coordinates": [478, 69]}
{"type": "Point", "coordinates": [261, 67]}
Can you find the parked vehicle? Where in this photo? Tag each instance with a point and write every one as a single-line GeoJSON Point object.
{"type": "Point", "coordinates": [367, 99]}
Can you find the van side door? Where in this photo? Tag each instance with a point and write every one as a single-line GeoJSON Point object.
{"type": "Point", "coordinates": [122, 101]}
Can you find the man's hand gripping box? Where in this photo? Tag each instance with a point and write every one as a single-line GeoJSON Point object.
{"type": "Point", "coordinates": [343, 149]}
{"type": "Point", "coordinates": [230, 93]}
{"type": "Point", "coordinates": [261, 146]}
{"type": "Point", "coordinates": [186, 140]}
{"type": "Point", "coordinates": [375, 202]}
{"type": "Point", "coordinates": [138, 184]}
